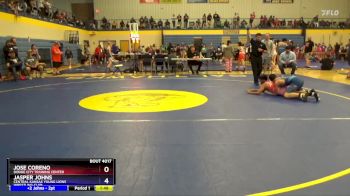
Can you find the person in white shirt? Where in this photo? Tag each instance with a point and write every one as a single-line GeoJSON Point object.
{"type": "Point", "coordinates": [287, 59]}
{"type": "Point", "coordinates": [267, 55]}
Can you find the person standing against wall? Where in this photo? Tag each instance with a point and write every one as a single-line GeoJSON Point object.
{"type": "Point", "coordinates": [309, 45]}
{"type": "Point", "coordinates": [173, 20]}
{"type": "Point", "coordinates": [228, 56]}
{"type": "Point", "coordinates": [204, 21]}
{"type": "Point", "coordinates": [56, 58]}
{"type": "Point", "coordinates": [256, 51]}
{"type": "Point", "coordinates": [69, 56]}
{"type": "Point", "coordinates": [209, 18]}
{"type": "Point", "coordinates": [186, 18]}
{"type": "Point", "coordinates": [179, 19]}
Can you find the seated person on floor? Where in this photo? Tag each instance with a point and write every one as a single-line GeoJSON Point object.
{"type": "Point", "coordinates": [33, 66]}
{"type": "Point", "coordinates": [327, 63]}
{"type": "Point", "coordinates": [287, 59]}
{"type": "Point", "coordinates": [272, 88]}
{"type": "Point", "coordinates": [14, 64]}
{"type": "Point", "coordinates": [293, 84]}
{"type": "Point", "coordinates": [193, 54]}
{"type": "Point", "coordinates": [36, 55]}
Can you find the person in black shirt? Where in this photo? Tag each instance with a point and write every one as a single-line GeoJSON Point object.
{"type": "Point", "coordinates": [192, 53]}
{"type": "Point", "coordinates": [309, 45]}
{"type": "Point", "coordinates": [167, 24]}
{"type": "Point", "coordinates": [69, 56]}
{"type": "Point", "coordinates": [179, 19]}
{"type": "Point", "coordinates": [186, 17]}
{"type": "Point", "coordinates": [10, 44]}
{"type": "Point", "coordinates": [209, 18]}
{"type": "Point", "coordinates": [327, 63]}
{"type": "Point", "coordinates": [14, 64]}
{"type": "Point", "coordinates": [336, 50]}
{"type": "Point", "coordinates": [256, 51]}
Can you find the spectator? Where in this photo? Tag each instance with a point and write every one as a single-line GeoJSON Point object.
{"type": "Point", "coordinates": [209, 18]}
{"type": "Point", "coordinates": [173, 20]}
{"type": "Point", "coordinates": [217, 22]}
{"type": "Point", "coordinates": [193, 54]}
{"type": "Point", "coordinates": [32, 66]}
{"type": "Point", "coordinates": [251, 19]}
{"type": "Point", "coordinates": [13, 64]}
{"type": "Point", "coordinates": [186, 18]}
{"type": "Point", "coordinates": [204, 21]}
{"type": "Point", "coordinates": [69, 57]}
{"type": "Point", "coordinates": [36, 55]}
{"type": "Point", "coordinates": [236, 21]}
{"type": "Point", "coordinates": [241, 57]}
{"type": "Point", "coordinates": [315, 22]}
{"type": "Point", "coordinates": [218, 53]}
{"type": "Point", "coordinates": [198, 23]}
{"type": "Point", "coordinates": [226, 24]}
{"type": "Point", "coordinates": [105, 24]}
{"type": "Point", "coordinates": [274, 53]}
{"type": "Point", "coordinates": [142, 22]}
{"type": "Point", "coordinates": [146, 21]}
{"type": "Point", "coordinates": [287, 59]}
{"type": "Point", "coordinates": [160, 24]}
{"type": "Point", "coordinates": [228, 56]}
{"type": "Point", "coordinates": [152, 22]}
{"type": "Point", "coordinates": [179, 23]}
{"type": "Point", "coordinates": [337, 50]}
{"type": "Point", "coordinates": [244, 24]}
{"type": "Point", "coordinates": [281, 47]}
{"type": "Point", "coordinates": [47, 8]}
{"type": "Point", "coordinates": [115, 49]}
{"type": "Point", "coordinates": [56, 58]}
{"type": "Point", "coordinates": [98, 54]}
{"type": "Point", "coordinates": [327, 63]}
{"type": "Point", "coordinates": [267, 56]}
{"type": "Point", "coordinates": [86, 54]}
{"type": "Point", "coordinates": [167, 24]}
{"type": "Point", "coordinates": [13, 5]}
{"type": "Point", "coordinates": [114, 25]}
{"type": "Point", "coordinates": [122, 24]}
{"type": "Point", "coordinates": [10, 44]}
{"type": "Point", "coordinates": [309, 45]}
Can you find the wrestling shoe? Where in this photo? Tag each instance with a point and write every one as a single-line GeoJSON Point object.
{"type": "Point", "coordinates": [317, 97]}
{"type": "Point", "coordinates": [303, 97]}
{"type": "Point", "coordinates": [310, 92]}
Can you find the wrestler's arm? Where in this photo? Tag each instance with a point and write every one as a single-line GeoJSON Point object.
{"type": "Point", "coordinates": [256, 91]}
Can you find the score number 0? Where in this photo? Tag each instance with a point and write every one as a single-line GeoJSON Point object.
{"type": "Point", "coordinates": [106, 170]}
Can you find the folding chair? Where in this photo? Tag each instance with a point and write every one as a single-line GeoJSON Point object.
{"type": "Point", "coordinates": [147, 60]}
{"type": "Point", "coordinates": [158, 61]}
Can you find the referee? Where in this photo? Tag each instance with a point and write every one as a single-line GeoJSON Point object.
{"type": "Point", "coordinates": [257, 49]}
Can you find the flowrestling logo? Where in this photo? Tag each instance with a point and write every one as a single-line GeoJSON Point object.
{"type": "Point", "coordinates": [330, 12]}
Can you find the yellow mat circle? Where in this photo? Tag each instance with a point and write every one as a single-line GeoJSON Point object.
{"type": "Point", "coordinates": [139, 101]}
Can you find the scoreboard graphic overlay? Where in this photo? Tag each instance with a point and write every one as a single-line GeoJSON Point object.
{"type": "Point", "coordinates": [91, 174]}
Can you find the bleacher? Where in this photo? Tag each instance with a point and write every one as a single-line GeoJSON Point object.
{"type": "Point", "coordinates": [44, 47]}
{"type": "Point", "coordinates": [216, 40]}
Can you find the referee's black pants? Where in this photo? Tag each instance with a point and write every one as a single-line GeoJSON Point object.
{"type": "Point", "coordinates": [256, 67]}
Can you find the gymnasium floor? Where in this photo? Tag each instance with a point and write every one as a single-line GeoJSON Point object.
{"type": "Point", "coordinates": [232, 144]}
